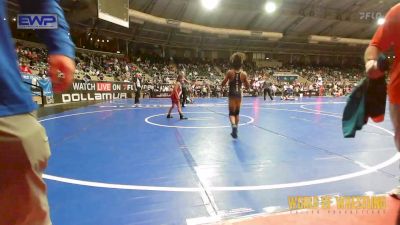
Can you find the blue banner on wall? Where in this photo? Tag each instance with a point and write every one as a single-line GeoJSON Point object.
{"type": "Point", "coordinates": [44, 83]}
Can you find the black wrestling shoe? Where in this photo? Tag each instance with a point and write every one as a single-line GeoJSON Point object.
{"type": "Point", "coordinates": [234, 132]}
{"type": "Point", "coordinates": [169, 117]}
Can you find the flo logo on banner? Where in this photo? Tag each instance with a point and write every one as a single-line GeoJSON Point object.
{"type": "Point", "coordinates": [37, 21]}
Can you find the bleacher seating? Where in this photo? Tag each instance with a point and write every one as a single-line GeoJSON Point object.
{"type": "Point", "coordinates": [204, 76]}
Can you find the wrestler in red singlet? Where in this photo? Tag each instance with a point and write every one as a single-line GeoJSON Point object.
{"type": "Point", "coordinates": [176, 96]}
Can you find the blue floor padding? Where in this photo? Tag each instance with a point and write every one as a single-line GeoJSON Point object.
{"type": "Point", "coordinates": [288, 142]}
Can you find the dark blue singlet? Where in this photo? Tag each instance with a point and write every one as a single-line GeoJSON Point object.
{"type": "Point", "coordinates": [235, 86]}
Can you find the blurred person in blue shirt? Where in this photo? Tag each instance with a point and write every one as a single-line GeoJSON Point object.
{"type": "Point", "coordinates": [24, 147]}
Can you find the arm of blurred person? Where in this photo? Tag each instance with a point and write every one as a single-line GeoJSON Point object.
{"type": "Point", "coordinates": [371, 64]}
{"type": "Point", "coordinates": [60, 46]}
{"type": "Point", "coordinates": [177, 87]}
{"type": "Point", "coordinates": [226, 79]}
{"type": "Point", "coordinates": [246, 81]}
{"type": "Point", "coordinates": [381, 42]}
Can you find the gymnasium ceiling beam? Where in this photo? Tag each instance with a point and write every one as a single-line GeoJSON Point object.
{"type": "Point", "coordinates": [179, 16]}
{"type": "Point", "coordinates": [292, 9]}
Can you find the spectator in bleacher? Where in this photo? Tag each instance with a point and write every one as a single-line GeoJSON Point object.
{"type": "Point", "coordinates": [24, 68]}
{"type": "Point", "coordinates": [42, 73]}
{"type": "Point", "coordinates": [86, 78]}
